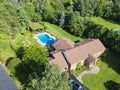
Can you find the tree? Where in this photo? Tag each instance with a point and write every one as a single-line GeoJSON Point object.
{"type": "Point", "coordinates": [76, 24]}
{"type": "Point", "coordinates": [79, 6]}
{"type": "Point", "coordinates": [116, 1]}
{"type": "Point", "coordinates": [36, 18]}
{"type": "Point", "coordinates": [30, 9]}
{"type": "Point", "coordinates": [85, 7]}
{"type": "Point", "coordinates": [62, 19]}
{"type": "Point", "coordinates": [4, 28]}
{"type": "Point", "coordinates": [1, 1]}
{"type": "Point", "coordinates": [95, 31]}
{"type": "Point", "coordinates": [9, 16]}
{"type": "Point", "coordinates": [53, 79]}
{"type": "Point", "coordinates": [34, 60]}
{"type": "Point", "coordinates": [113, 12]}
{"type": "Point", "coordinates": [116, 45]}
{"type": "Point", "coordinates": [116, 12]}
{"type": "Point", "coordinates": [100, 7]}
{"type": "Point", "coordinates": [23, 18]}
{"type": "Point", "coordinates": [35, 53]}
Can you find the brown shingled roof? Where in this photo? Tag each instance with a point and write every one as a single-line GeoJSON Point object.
{"type": "Point", "coordinates": [59, 59]}
{"type": "Point", "coordinates": [77, 53]}
{"type": "Point", "coordinates": [81, 52]}
{"type": "Point", "coordinates": [63, 44]}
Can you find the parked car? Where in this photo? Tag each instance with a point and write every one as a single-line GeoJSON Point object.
{"type": "Point", "coordinates": [74, 85]}
{"type": "Point", "coordinates": [71, 81]}
{"type": "Point", "coordinates": [77, 87]}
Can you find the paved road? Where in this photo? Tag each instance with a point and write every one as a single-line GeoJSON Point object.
{"type": "Point", "coordinates": [78, 82]}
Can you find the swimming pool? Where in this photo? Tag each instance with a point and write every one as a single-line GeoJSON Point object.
{"type": "Point", "coordinates": [45, 39]}
{"type": "Point", "coordinates": [117, 31]}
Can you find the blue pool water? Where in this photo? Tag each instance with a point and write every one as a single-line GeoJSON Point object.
{"type": "Point", "coordinates": [46, 39]}
{"type": "Point", "coordinates": [117, 31]}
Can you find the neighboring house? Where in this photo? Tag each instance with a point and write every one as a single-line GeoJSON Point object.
{"type": "Point", "coordinates": [6, 83]}
{"type": "Point", "coordinates": [85, 52]}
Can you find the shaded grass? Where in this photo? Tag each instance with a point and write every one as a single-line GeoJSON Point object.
{"type": "Point", "coordinates": [113, 61]}
{"type": "Point", "coordinates": [12, 63]}
{"type": "Point", "coordinates": [96, 82]}
{"type": "Point", "coordinates": [106, 23]}
{"type": "Point", "coordinates": [59, 32]}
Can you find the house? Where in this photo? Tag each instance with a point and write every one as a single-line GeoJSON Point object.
{"type": "Point", "coordinates": [85, 52]}
{"type": "Point", "coordinates": [6, 83]}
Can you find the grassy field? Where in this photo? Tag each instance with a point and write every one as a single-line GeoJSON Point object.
{"type": "Point", "coordinates": [59, 32]}
{"type": "Point", "coordinates": [106, 23]}
{"type": "Point", "coordinates": [107, 73]}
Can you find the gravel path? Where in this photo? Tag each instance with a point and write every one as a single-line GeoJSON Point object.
{"type": "Point", "coordinates": [93, 70]}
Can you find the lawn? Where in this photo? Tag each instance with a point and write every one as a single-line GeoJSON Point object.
{"type": "Point", "coordinates": [106, 74]}
{"type": "Point", "coordinates": [106, 23]}
{"type": "Point", "coordinates": [59, 32]}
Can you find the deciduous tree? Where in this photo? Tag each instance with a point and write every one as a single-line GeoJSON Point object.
{"type": "Point", "coordinates": [53, 79]}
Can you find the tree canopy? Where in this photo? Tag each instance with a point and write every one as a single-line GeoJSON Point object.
{"type": "Point", "coordinates": [36, 53]}
{"type": "Point", "coordinates": [52, 79]}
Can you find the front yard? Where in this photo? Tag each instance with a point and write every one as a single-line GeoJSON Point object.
{"type": "Point", "coordinates": [107, 74]}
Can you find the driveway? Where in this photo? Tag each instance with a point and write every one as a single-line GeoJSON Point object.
{"type": "Point", "coordinates": [72, 77]}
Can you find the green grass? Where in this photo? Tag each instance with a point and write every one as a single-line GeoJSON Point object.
{"type": "Point", "coordinates": [79, 69]}
{"type": "Point", "coordinates": [59, 32]}
{"type": "Point", "coordinates": [12, 63]}
{"type": "Point", "coordinates": [107, 73]}
{"type": "Point", "coordinates": [106, 23]}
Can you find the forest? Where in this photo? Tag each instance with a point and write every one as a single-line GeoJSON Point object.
{"type": "Point", "coordinates": [31, 69]}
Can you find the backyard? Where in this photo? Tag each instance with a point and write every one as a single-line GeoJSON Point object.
{"type": "Point", "coordinates": [109, 72]}
{"type": "Point", "coordinates": [59, 32]}
{"type": "Point", "coordinates": [106, 23]}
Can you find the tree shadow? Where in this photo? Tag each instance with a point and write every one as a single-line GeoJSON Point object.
{"type": "Point", "coordinates": [77, 41]}
{"type": "Point", "coordinates": [25, 70]}
{"type": "Point", "coordinates": [113, 62]}
{"type": "Point", "coordinates": [20, 52]}
{"type": "Point", "coordinates": [111, 85]}
{"type": "Point", "coordinates": [112, 21]}
{"type": "Point", "coordinates": [8, 60]}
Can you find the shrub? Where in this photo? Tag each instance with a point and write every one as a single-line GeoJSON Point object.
{"type": "Point", "coordinates": [78, 66]}
{"type": "Point", "coordinates": [79, 69]}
